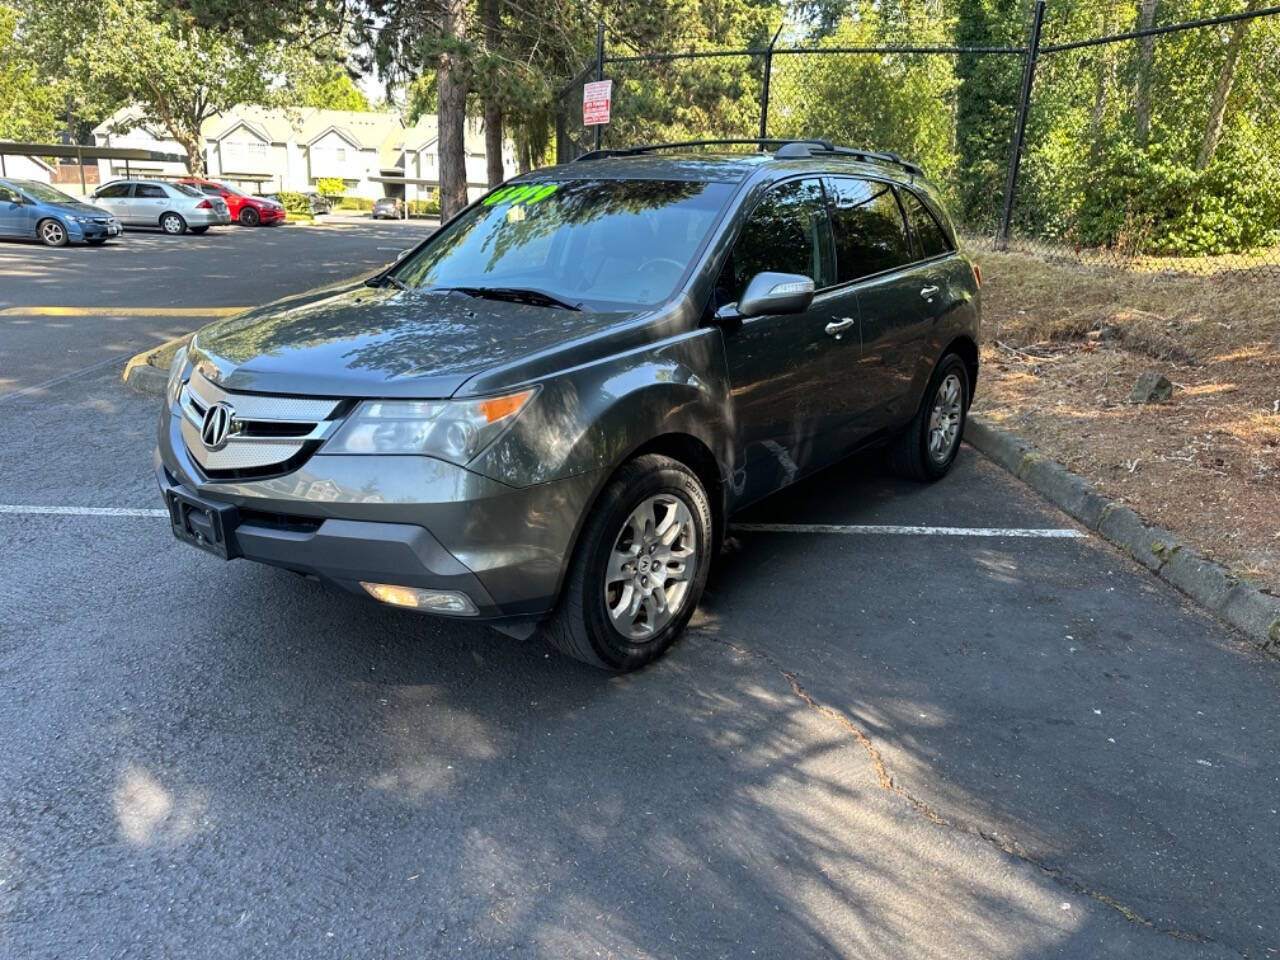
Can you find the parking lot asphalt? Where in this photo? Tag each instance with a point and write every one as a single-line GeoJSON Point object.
{"type": "Point", "coordinates": [868, 745]}
{"type": "Point", "coordinates": [151, 272]}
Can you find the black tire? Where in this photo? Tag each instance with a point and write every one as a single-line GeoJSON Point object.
{"type": "Point", "coordinates": [52, 233]}
{"type": "Point", "coordinates": [249, 217]}
{"type": "Point", "coordinates": [199, 230]}
{"type": "Point", "coordinates": [173, 224]}
{"type": "Point", "coordinates": [910, 453]}
{"type": "Point", "coordinates": [581, 627]}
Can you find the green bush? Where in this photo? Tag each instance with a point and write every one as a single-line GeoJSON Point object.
{"type": "Point", "coordinates": [330, 186]}
{"type": "Point", "coordinates": [353, 203]}
{"type": "Point", "coordinates": [294, 202]}
{"type": "Point", "coordinates": [424, 208]}
{"type": "Point", "coordinates": [1144, 202]}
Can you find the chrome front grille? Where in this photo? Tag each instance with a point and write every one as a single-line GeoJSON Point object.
{"type": "Point", "coordinates": [263, 432]}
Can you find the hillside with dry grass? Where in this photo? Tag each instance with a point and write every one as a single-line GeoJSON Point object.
{"type": "Point", "coordinates": [1062, 347]}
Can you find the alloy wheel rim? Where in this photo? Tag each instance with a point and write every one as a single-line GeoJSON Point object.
{"type": "Point", "coordinates": [52, 232]}
{"type": "Point", "coordinates": [651, 566]}
{"type": "Point", "coordinates": [944, 420]}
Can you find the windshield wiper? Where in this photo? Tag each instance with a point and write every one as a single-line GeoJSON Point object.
{"type": "Point", "coordinates": [386, 278]}
{"type": "Point", "coordinates": [538, 298]}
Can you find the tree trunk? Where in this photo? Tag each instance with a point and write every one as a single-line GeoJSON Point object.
{"type": "Point", "coordinates": [451, 87]}
{"type": "Point", "coordinates": [1221, 93]}
{"type": "Point", "coordinates": [1103, 72]}
{"type": "Point", "coordinates": [1146, 57]}
{"type": "Point", "coordinates": [492, 109]}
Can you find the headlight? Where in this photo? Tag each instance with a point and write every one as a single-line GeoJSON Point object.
{"type": "Point", "coordinates": [453, 430]}
{"type": "Point", "coordinates": [174, 385]}
{"type": "Point", "coordinates": [81, 219]}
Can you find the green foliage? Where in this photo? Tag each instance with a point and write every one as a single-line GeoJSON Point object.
{"type": "Point", "coordinates": [28, 107]}
{"type": "Point", "coordinates": [1146, 201]}
{"type": "Point", "coordinates": [353, 203]}
{"type": "Point", "coordinates": [332, 187]}
{"type": "Point", "coordinates": [330, 88]}
{"type": "Point", "coordinates": [295, 202]}
{"type": "Point", "coordinates": [424, 208]}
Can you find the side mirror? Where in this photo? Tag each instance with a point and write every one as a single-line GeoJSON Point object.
{"type": "Point", "coordinates": [774, 293]}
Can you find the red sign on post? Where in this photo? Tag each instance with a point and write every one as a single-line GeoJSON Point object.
{"type": "Point", "coordinates": [596, 97]}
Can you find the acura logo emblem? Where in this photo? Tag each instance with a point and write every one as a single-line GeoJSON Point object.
{"type": "Point", "coordinates": [216, 429]}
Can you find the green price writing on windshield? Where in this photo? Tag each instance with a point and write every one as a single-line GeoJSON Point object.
{"type": "Point", "coordinates": [522, 193]}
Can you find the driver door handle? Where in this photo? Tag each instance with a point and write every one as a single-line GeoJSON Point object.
{"type": "Point", "coordinates": [839, 326]}
{"type": "Point", "coordinates": [929, 292]}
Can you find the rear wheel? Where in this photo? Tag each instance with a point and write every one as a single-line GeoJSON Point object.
{"type": "Point", "coordinates": [926, 449]}
{"type": "Point", "coordinates": [249, 217]}
{"type": "Point", "coordinates": [639, 569]}
{"type": "Point", "coordinates": [173, 224]}
{"type": "Point", "coordinates": [52, 233]}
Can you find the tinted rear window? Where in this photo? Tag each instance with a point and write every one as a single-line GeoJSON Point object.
{"type": "Point", "coordinates": [869, 231]}
{"type": "Point", "coordinates": [928, 235]}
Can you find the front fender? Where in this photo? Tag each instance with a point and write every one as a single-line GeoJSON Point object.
{"type": "Point", "coordinates": [591, 418]}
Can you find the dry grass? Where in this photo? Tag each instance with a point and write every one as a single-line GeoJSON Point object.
{"type": "Point", "coordinates": [1062, 347]}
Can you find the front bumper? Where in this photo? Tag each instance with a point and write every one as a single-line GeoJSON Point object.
{"type": "Point", "coordinates": [272, 216]}
{"type": "Point", "coordinates": [92, 230]}
{"type": "Point", "coordinates": [403, 520]}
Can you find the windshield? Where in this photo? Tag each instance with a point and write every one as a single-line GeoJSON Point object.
{"type": "Point", "coordinates": [46, 194]}
{"type": "Point", "coordinates": [610, 244]}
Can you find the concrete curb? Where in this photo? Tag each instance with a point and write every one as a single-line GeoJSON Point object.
{"type": "Point", "coordinates": [1209, 584]}
{"type": "Point", "coordinates": [141, 376]}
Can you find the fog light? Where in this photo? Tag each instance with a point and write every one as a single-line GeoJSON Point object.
{"type": "Point", "coordinates": [416, 598]}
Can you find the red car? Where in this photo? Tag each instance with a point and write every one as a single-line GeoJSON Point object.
{"type": "Point", "coordinates": [244, 209]}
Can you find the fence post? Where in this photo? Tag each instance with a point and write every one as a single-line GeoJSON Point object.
{"type": "Point", "coordinates": [1020, 128]}
{"type": "Point", "coordinates": [599, 71]}
{"type": "Point", "coordinates": [764, 97]}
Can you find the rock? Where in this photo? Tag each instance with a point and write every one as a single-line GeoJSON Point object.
{"type": "Point", "coordinates": [1151, 388]}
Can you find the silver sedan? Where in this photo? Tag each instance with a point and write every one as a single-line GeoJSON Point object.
{"type": "Point", "coordinates": [173, 207]}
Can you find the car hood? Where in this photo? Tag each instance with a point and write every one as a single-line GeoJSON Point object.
{"type": "Point", "coordinates": [79, 209]}
{"type": "Point", "coordinates": [358, 341]}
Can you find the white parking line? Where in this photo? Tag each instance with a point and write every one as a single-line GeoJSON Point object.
{"type": "Point", "coordinates": [37, 510]}
{"type": "Point", "coordinates": [1052, 533]}
{"type": "Point", "coordinates": [873, 529]}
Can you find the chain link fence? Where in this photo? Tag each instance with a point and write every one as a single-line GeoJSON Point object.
{"type": "Point", "coordinates": [1153, 149]}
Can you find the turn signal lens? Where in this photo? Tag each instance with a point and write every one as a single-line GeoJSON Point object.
{"type": "Point", "coordinates": [977, 274]}
{"type": "Point", "coordinates": [499, 408]}
{"type": "Point", "coordinates": [416, 598]}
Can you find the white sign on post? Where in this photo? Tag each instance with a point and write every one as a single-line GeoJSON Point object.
{"type": "Point", "coordinates": [596, 97]}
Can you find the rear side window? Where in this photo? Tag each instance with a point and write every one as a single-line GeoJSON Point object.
{"type": "Point", "coordinates": [149, 190]}
{"type": "Point", "coordinates": [869, 231]}
{"type": "Point", "coordinates": [115, 190]}
{"type": "Point", "coordinates": [787, 233]}
{"type": "Point", "coordinates": [211, 190]}
{"type": "Point", "coordinates": [184, 189]}
{"type": "Point", "coordinates": [928, 235]}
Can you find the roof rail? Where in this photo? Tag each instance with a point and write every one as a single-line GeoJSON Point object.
{"type": "Point", "coordinates": [787, 149]}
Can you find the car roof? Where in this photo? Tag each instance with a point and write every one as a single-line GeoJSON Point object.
{"type": "Point", "coordinates": [726, 167]}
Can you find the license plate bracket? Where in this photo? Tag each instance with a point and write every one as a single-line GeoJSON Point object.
{"type": "Point", "coordinates": [203, 523]}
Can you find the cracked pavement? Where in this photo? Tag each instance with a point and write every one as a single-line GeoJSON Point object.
{"type": "Point", "coordinates": [872, 747]}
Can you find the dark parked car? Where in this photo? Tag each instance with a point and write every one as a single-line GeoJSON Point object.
{"type": "Point", "coordinates": [547, 410]}
{"type": "Point", "coordinates": [387, 208]}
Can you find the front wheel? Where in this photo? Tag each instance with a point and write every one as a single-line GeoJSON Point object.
{"type": "Point", "coordinates": [249, 217]}
{"type": "Point", "coordinates": [173, 224]}
{"type": "Point", "coordinates": [926, 449]}
{"type": "Point", "coordinates": [639, 568]}
{"type": "Point", "coordinates": [52, 233]}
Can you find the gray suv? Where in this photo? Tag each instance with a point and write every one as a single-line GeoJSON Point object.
{"type": "Point", "coordinates": [545, 412]}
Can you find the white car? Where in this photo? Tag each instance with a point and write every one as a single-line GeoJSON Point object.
{"type": "Point", "coordinates": [173, 207]}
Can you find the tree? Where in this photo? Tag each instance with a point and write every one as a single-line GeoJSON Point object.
{"type": "Point", "coordinates": [1146, 61]}
{"type": "Point", "coordinates": [329, 87]}
{"type": "Point", "coordinates": [28, 107]}
{"type": "Point", "coordinates": [177, 72]}
{"type": "Point", "coordinates": [1226, 78]}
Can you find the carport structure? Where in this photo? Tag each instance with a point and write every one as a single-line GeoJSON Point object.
{"type": "Point", "coordinates": [80, 153]}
